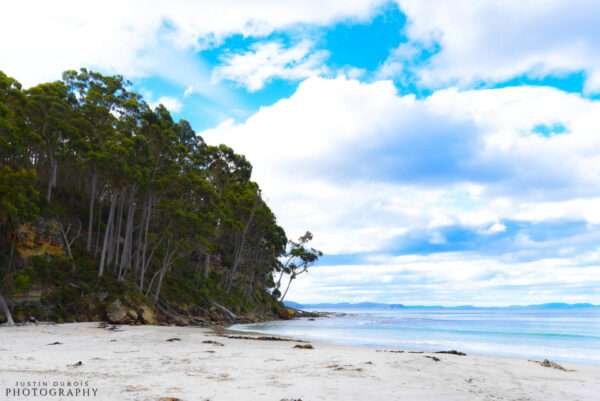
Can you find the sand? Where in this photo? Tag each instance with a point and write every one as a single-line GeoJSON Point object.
{"type": "Point", "coordinates": [138, 363]}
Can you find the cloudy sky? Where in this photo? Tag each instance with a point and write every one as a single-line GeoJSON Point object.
{"type": "Point", "coordinates": [440, 152]}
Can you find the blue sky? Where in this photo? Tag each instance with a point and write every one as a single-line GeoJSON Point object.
{"type": "Point", "coordinates": [441, 153]}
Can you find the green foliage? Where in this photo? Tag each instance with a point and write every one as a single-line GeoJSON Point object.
{"type": "Point", "coordinates": [299, 257]}
{"type": "Point", "coordinates": [22, 280]}
{"type": "Point", "coordinates": [145, 207]}
{"type": "Point", "coordinates": [18, 195]}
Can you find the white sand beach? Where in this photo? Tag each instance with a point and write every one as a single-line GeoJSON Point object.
{"type": "Point", "coordinates": [138, 363]}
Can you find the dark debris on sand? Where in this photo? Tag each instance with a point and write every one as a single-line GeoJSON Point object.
{"type": "Point", "coordinates": [551, 364]}
{"type": "Point", "coordinates": [213, 343]}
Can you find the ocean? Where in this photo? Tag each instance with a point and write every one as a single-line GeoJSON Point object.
{"type": "Point", "coordinates": [564, 335]}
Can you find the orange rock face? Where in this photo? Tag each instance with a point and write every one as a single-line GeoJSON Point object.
{"type": "Point", "coordinates": [39, 239]}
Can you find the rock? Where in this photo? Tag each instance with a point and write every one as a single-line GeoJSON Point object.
{"type": "Point", "coordinates": [147, 315]}
{"type": "Point", "coordinates": [304, 346]}
{"type": "Point", "coordinates": [40, 238]}
{"type": "Point", "coordinates": [452, 352]}
{"type": "Point", "coordinates": [286, 313]}
{"type": "Point", "coordinates": [76, 364]}
{"type": "Point", "coordinates": [117, 313]}
{"type": "Point", "coordinates": [132, 315]}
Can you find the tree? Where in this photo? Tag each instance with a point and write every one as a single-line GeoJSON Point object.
{"type": "Point", "coordinates": [298, 259]}
{"type": "Point", "coordinates": [49, 114]}
{"type": "Point", "coordinates": [136, 194]}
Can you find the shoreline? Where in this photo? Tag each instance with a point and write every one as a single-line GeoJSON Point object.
{"type": "Point", "coordinates": [194, 363]}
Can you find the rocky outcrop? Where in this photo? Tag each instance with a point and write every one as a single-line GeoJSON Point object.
{"type": "Point", "coordinates": [146, 315]}
{"type": "Point", "coordinates": [118, 313]}
{"type": "Point", "coordinates": [40, 238]}
{"type": "Point", "coordinates": [286, 313]}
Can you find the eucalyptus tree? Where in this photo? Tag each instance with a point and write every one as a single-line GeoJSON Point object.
{"type": "Point", "coordinates": [155, 196]}
{"type": "Point", "coordinates": [49, 115]}
{"type": "Point", "coordinates": [298, 259]}
{"type": "Point", "coordinates": [18, 193]}
{"type": "Point", "coordinates": [101, 101]}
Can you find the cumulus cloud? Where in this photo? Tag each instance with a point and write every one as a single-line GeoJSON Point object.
{"type": "Point", "coordinates": [172, 104]}
{"type": "Point", "coordinates": [489, 41]}
{"type": "Point", "coordinates": [452, 279]}
{"type": "Point", "coordinates": [132, 38]}
{"type": "Point", "coordinates": [268, 60]}
{"type": "Point", "coordinates": [364, 167]}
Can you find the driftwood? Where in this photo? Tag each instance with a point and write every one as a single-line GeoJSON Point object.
{"type": "Point", "coordinates": [551, 364]}
{"type": "Point", "coordinates": [262, 338]}
{"type": "Point", "coordinates": [166, 310]}
{"type": "Point", "coordinates": [213, 343]}
{"type": "Point", "coordinates": [4, 308]}
{"type": "Point", "coordinates": [223, 309]}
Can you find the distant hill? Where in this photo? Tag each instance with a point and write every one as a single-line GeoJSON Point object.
{"type": "Point", "coordinates": [375, 305]}
{"type": "Point", "coordinates": [557, 305]}
{"type": "Point", "coordinates": [344, 305]}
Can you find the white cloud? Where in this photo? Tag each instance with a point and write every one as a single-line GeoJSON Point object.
{"type": "Point", "coordinates": [268, 60]}
{"type": "Point", "coordinates": [172, 104]}
{"type": "Point", "coordinates": [359, 164]}
{"type": "Point", "coordinates": [139, 38]}
{"type": "Point", "coordinates": [496, 228]}
{"type": "Point", "coordinates": [452, 279]}
{"type": "Point", "coordinates": [495, 41]}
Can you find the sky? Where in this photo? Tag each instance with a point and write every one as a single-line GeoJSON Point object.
{"type": "Point", "coordinates": [440, 152]}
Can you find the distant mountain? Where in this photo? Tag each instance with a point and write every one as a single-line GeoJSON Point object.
{"type": "Point", "coordinates": [375, 305]}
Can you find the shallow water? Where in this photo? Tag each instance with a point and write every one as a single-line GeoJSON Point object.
{"type": "Point", "coordinates": [567, 335]}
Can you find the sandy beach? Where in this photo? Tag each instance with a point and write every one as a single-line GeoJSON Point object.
{"type": "Point", "coordinates": [140, 363]}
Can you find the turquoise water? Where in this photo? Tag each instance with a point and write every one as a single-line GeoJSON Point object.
{"type": "Point", "coordinates": [568, 335]}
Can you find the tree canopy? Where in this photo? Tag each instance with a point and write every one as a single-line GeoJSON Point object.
{"type": "Point", "coordinates": [151, 198]}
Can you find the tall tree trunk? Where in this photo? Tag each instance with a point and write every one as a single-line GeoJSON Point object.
{"type": "Point", "coordinates": [145, 268]}
{"type": "Point", "coordinates": [167, 260]}
{"type": "Point", "coordinates": [144, 259]}
{"type": "Point", "coordinates": [206, 266]}
{"type": "Point", "coordinates": [52, 177]}
{"type": "Point", "coordinates": [240, 250]}
{"type": "Point", "coordinates": [139, 240]}
{"type": "Point", "coordinates": [116, 237]}
{"type": "Point", "coordinates": [6, 311]}
{"type": "Point", "coordinates": [126, 253]}
{"type": "Point", "coordinates": [249, 289]}
{"type": "Point", "coordinates": [113, 202]}
{"type": "Point", "coordinates": [161, 277]}
{"type": "Point", "coordinates": [292, 277]}
{"type": "Point", "coordinates": [98, 229]}
{"type": "Point", "coordinates": [91, 216]}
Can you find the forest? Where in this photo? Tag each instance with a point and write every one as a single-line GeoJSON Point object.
{"type": "Point", "coordinates": [106, 200]}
